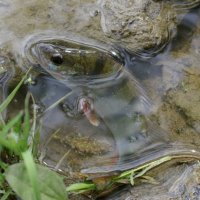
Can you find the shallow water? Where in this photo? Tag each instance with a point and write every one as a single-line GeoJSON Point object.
{"type": "Point", "coordinates": [105, 104]}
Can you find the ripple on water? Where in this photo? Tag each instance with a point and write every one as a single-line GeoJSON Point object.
{"type": "Point", "coordinates": [71, 73]}
{"type": "Point", "coordinates": [6, 73]}
{"type": "Point", "coordinates": [183, 5]}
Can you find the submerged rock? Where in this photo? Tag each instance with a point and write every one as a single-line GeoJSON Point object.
{"type": "Point", "coordinates": [178, 110]}
{"type": "Point", "coordinates": [142, 24]}
{"type": "Point", "coordinates": [137, 23]}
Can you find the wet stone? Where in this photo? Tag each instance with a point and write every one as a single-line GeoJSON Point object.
{"type": "Point", "coordinates": [143, 22]}
{"type": "Point", "coordinates": [186, 97]}
{"type": "Point", "coordinates": [135, 24]}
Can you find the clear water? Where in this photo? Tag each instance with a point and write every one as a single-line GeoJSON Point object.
{"type": "Point", "coordinates": [102, 108]}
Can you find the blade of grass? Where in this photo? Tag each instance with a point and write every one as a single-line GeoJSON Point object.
{"type": "Point", "coordinates": [144, 168]}
{"type": "Point", "coordinates": [6, 195]}
{"type": "Point", "coordinates": [149, 179]}
{"type": "Point", "coordinates": [4, 105]}
{"type": "Point", "coordinates": [78, 187]}
{"type": "Point", "coordinates": [11, 145]}
{"type": "Point", "coordinates": [152, 165]}
{"type": "Point", "coordinates": [2, 180]}
{"type": "Point", "coordinates": [58, 101]}
{"type": "Point", "coordinates": [32, 173]}
{"type": "Point", "coordinates": [26, 128]}
{"type": "Point", "coordinates": [10, 124]}
{"type": "Point", "coordinates": [132, 178]}
{"type": "Point", "coordinates": [34, 134]}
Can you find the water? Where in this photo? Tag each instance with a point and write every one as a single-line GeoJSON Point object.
{"type": "Point", "coordinates": [105, 104]}
{"type": "Point", "coordinates": [113, 96]}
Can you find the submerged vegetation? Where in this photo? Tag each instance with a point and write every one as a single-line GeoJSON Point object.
{"type": "Point", "coordinates": [22, 175]}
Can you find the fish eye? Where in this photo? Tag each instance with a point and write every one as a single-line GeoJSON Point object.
{"type": "Point", "coordinates": [57, 59]}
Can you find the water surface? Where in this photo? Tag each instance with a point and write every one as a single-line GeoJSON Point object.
{"type": "Point", "coordinates": [105, 105]}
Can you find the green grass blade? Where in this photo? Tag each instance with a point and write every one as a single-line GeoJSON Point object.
{"type": "Point", "coordinates": [6, 195]}
{"type": "Point", "coordinates": [77, 187]}
{"type": "Point", "coordinates": [10, 141]}
{"type": "Point", "coordinates": [58, 101]}
{"type": "Point", "coordinates": [34, 134]}
{"type": "Point", "coordinates": [2, 122]}
{"type": "Point", "coordinates": [152, 165]}
{"type": "Point", "coordinates": [4, 105]}
{"type": "Point", "coordinates": [32, 173]}
{"type": "Point", "coordinates": [26, 128]}
{"type": "Point", "coordinates": [141, 170]}
{"type": "Point", "coordinates": [3, 165]}
{"type": "Point", "coordinates": [11, 96]}
{"type": "Point", "coordinates": [10, 124]}
{"type": "Point", "coordinates": [2, 180]}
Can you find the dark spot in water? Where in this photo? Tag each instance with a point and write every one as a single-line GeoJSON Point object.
{"type": "Point", "coordinates": [57, 59]}
{"type": "Point", "coordinates": [186, 30]}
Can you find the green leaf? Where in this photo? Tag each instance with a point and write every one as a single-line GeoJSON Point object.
{"type": "Point", "coordinates": [132, 179]}
{"type": "Point", "coordinates": [23, 142]}
{"type": "Point", "coordinates": [32, 173]}
{"type": "Point", "coordinates": [11, 96]}
{"type": "Point", "coordinates": [3, 165]}
{"type": "Point", "coordinates": [50, 184]}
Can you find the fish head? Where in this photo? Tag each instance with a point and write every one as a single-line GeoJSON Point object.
{"type": "Point", "coordinates": [64, 59]}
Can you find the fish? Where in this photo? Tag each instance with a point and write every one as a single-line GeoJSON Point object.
{"type": "Point", "coordinates": [86, 106]}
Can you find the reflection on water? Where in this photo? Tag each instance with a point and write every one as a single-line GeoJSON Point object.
{"type": "Point", "coordinates": [117, 101]}
{"type": "Point", "coordinates": [124, 136]}
{"type": "Point", "coordinates": [6, 73]}
{"type": "Point", "coordinates": [184, 5]}
{"type": "Point", "coordinates": [65, 129]}
{"type": "Point", "coordinates": [103, 108]}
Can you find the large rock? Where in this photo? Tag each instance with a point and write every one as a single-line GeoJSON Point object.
{"type": "Point", "coordinates": [139, 23]}
{"type": "Point", "coordinates": [135, 24]}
